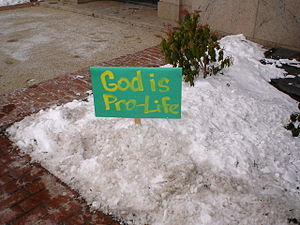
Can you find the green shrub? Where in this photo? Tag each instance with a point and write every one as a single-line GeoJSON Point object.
{"type": "Point", "coordinates": [294, 124]}
{"type": "Point", "coordinates": [194, 48]}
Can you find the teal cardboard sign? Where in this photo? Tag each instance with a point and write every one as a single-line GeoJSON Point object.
{"type": "Point", "coordinates": [137, 92]}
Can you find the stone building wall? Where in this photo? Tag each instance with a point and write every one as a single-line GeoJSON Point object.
{"type": "Point", "coordinates": [273, 23]}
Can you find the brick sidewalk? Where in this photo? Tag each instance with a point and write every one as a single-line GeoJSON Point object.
{"type": "Point", "coordinates": [29, 194]}
{"type": "Point", "coordinates": [19, 6]}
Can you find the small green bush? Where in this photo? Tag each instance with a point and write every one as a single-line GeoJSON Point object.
{"type": "Point", "coordinates": [294, 124]}
{"type": "Point", "coordinates": [194, 48]}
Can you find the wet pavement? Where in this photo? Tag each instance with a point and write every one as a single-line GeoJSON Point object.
{"type": "Point", "coordinates": [41, 43]}
{"type": "Point", "coordinates": [139, 15]}
{"type": "Point", "coordinates": [291, 84]}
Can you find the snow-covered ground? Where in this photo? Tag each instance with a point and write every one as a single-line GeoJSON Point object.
{"type": "Point", "coordinates": [12, 2]}
{"type": "Point", "coordinates": [227, 161]}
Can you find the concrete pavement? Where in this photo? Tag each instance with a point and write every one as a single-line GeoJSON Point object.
{"type": "Point", "coordinates": [40, 43]}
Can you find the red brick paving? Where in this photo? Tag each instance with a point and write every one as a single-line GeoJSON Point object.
{"type": "Point", "coordinates": [22, 102]}
{"type": "Point", "coordinates": [25, 5]}
{"type": "Point", "coordinates": [29, 194]}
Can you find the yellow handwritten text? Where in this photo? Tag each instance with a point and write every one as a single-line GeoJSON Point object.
{"type": "Point", "coordinates": [123, 84]}
{"type": "Point", "coordinates": [111, 102]}
{"type": "Point", "coordinates": [136, 84]}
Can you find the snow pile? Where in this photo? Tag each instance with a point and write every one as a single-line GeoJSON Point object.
{"type": "Point", "coordinates": [12, 2]}
{"type": "Point", "coordinates": [280, 62]}
{"type": "Point", "coordinates": [227, 161]}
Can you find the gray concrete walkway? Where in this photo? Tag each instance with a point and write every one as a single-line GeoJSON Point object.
{"type": "Point", "coordinates": [134, 14]}
{"type": "Point", "coordinates": [41, 43]}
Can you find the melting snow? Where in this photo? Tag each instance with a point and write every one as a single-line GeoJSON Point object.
{"type": "Point", "coordinates": [227, 161]}
{"type": "Point", "coordinates": [12, 2]}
